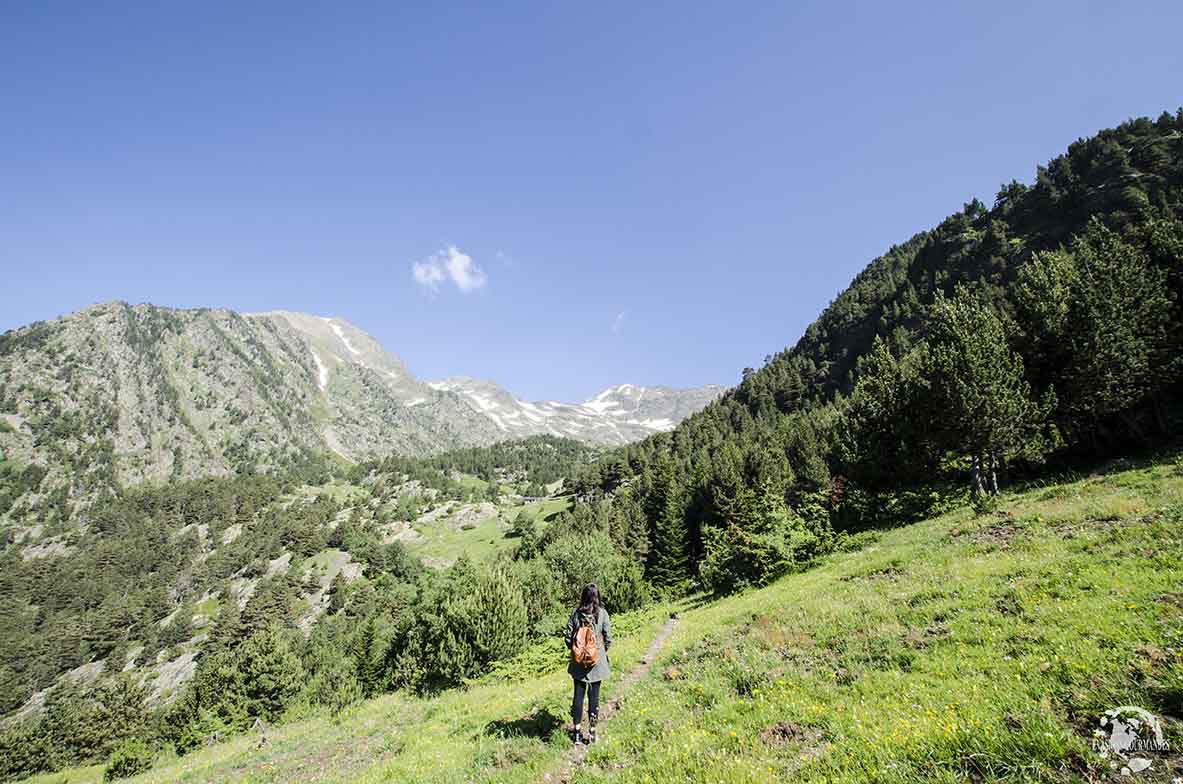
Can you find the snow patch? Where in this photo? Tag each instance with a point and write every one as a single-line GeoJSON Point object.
{"type": "Point", "coordinates": [653, 424]}
{"type": "Point", "coordinates": [533, 412]}
{"type": "Point", "coordinates": [341, 334]}
{"type": "Point", "coordinates": [599, 405]}
{"type": "Point", "coordinates": [483, 403]}
{"type": "Point", "coordinates": [322, 372]}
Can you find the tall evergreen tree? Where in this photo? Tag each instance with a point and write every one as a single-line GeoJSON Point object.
{"type": "Point", "coordinates": [884, 436]}
{"type": "Point", "coordinates": [979, 387]}
{"type": "Point", "coordinates": [271, 673]}
{"type": "Point", "coordinates": [668, 563]}
{"type": "Point", "coordinates": [1096, 318]}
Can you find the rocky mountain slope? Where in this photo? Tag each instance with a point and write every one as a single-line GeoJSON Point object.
{"type": "Point", "coordinates": [615, 416]}
{"type": "Point", "coordinates": [119, 394]}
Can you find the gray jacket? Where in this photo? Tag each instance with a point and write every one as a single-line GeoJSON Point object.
{"type": "Point", "coordinates": [603, 628]}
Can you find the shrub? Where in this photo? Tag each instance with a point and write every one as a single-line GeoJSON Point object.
{"type": "Point", "coordinates": [335, 686]}
{"type": "Point", "coordinates": [24, 751]}
{"type": "Point", "coordinates": [492, 619]}
{"type": "Point", "coordinates": [848, 543]}
{"type": "Point", "coordinates": [578, 559]}
{"type": "Point", "coordinates": [129, 758]}
{"type": "Point", "coordinates": [540, 591]}
{"type": "Point", "coordinates": [985, 503]}
{"type": "Point", "coordinates": [763, 540]}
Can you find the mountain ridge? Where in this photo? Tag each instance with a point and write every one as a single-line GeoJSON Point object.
{"type": "Point", "coordinates": [116, 394]}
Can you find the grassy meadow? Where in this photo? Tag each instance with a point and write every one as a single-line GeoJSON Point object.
{"type": "Point", "coordinates": [443, 542]}
{"type": "Point", "coordinates": [961, 648]}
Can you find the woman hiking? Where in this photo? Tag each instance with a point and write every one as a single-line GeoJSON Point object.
{"type": "Point", "coordinates": [589, 636]}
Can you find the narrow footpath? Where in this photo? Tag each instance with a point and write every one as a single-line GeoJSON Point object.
{"type": "Point", "coordinates": [574, 758]}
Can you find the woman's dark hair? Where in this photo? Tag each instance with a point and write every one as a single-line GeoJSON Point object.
{"type": "Point", "coordinates": [589, 602]}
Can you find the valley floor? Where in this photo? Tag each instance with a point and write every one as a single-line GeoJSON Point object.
{"type": "Point", "coordinates": [962, 648]}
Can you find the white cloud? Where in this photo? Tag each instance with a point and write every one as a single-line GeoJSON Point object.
{"type": "Point", "coordinates": [428, 273]}
{"type": "Point", "coordinates": [464, 273]}
{"type": "Point", "coordinates": [452, 264]}
{"type": "Point", "coordinates": [618, 322]}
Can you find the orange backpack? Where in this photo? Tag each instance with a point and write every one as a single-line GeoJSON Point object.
{"type": "Point", "coordinates": [583, 646]}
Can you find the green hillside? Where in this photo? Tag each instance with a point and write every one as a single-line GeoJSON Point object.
{"type": "Point", "coordinates": [963, 647]}
{"type": "Point", "coordinates": [126, 612]}
{"type": "Point", "coordinates": [1040, 333]}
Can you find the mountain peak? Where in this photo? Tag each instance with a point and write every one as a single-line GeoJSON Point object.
{"type": "Point", "coordinates": [615, 416]}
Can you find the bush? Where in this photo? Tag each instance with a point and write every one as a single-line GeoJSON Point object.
{"type": "Point", "coordinates": [540, 591]}
{"type": "Point", "coordinates": [129, 758]}
{"type": "Point", "coordinates": [490, 622]}
{"type": "Point", "coordinates": [24, 751]}
{"type": "Point", "coordinates": [335, 686]}
{"type": "Point", "coordinates": [762, 541]}
{"type": "Point", "coordinates": [578, 559]}
{"type": "Point", "coordinates": [985, 503]}
{"type": "Point", "coordinates": [848, 543]}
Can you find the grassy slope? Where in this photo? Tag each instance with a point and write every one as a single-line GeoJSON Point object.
{"type": "Point", "coordinates": [498, 730]}
{"type": "Point", "coordinates": [444, 543]}
{"type": "Point", "coordinates": [959, 648]}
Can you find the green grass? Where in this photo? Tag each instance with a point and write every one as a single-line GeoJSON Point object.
{"type": "Point", "coordinates": [499, 730]}
{"type": "Point", "coordinates": [344, 493]}
{"type": "Point", "coordinates": [470, 482]}
{"type": "Point", "coordinates": [542, 510]}
{"type": "Point", "coordinates": [444, 543]}
{"type": "Point", "coordinates": [960, 648]}
{"type": "Point", "coordinates": [957, 649]}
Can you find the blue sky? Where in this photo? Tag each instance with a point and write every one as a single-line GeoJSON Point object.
{"type": "Point", "coordinates": [627, 192]}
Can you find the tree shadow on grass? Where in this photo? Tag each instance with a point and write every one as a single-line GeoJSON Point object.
{"type": "Point", "coordinates": [542, 724]}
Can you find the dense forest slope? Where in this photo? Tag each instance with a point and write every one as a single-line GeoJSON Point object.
{"type": "Point", "coordinates": [159, 577]}
{"type": "Point", "coordinates": [1045, 327]}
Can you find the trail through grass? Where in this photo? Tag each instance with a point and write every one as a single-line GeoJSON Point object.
{"type": "Point", "coordinates": [575, 757]}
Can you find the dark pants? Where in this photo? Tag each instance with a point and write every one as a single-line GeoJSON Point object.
{"type": "Point", "coordinates": [593, 701]}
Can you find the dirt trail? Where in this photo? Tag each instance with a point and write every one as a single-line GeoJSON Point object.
{"type": "Point", "coordinates": [574, 758]}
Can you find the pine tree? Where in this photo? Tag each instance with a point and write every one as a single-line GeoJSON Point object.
{"type": "Point", "coordinates": [1096, 318]}
{"type": "Point", "coordinates": [884, 435]}
{"type": "Point", "coordinates": [337, 593]}
{"type": "Point", "coordinates": [271, 673]}
{"type": "Point", "coordinates": [980, 389]}
{"type": "Point", "coordinates": [498, 617]}
{"type": "Point", "coordinates": [367, 657]}
{"type": "Point", "coordinates": [668, 564]}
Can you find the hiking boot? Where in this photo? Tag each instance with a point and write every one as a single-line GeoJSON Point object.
{"type": "Point", "coordinates": [576, 736]}
{"type": "Point", "coordinates": [591, 735]}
